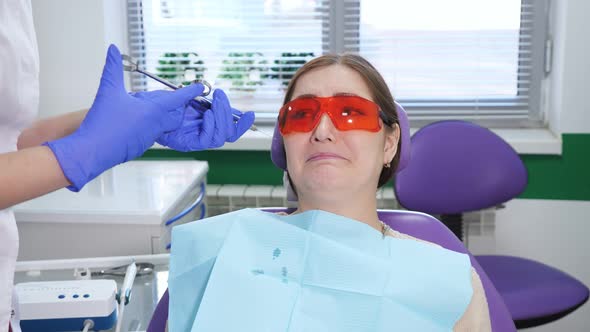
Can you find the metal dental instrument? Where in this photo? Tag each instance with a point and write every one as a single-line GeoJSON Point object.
{"type": "Point", "coordinates": [130, 65]}
{"type": "Point", "coordinates": [119, 271]}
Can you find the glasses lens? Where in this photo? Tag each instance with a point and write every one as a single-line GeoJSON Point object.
{"type": "Point", "coordinates": [298, 115]}
{"type": "Point", "coordinates": [355, 113]}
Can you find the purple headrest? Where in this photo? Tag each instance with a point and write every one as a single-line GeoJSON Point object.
{"type": "Point", "coordinates": [459, 166]}
{"type": "Point", "coordinates": [277, 150]}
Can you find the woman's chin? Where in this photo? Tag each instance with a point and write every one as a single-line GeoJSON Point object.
{"type": "Point", "coordinates": [326, 178]}
{"type": "Point", "coordinates": [320, 185]}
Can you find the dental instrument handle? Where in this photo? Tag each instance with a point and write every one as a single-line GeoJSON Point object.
{"type": "Point", "coordinates": [133, 67]}
{"type": "Point", "coordinates": [202, 100]}
{"type": "Point", "coordinates": [125, 292]}
{"type": "Point", "coordinates": [128, 282]}
{"type": "Point", "coordinates": [206, 103]}
{"type": "Point", "coordinates": [158, 79]}
{"type": "Point", "coordinates": [120, 317]}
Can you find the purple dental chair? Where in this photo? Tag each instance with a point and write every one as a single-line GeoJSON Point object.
{"type": "Point", "coordinates": [416, 224]}
{"type": "Point", "coordinates": [457, 167]}
{"type": "Point", "coordinates": [421, 225]}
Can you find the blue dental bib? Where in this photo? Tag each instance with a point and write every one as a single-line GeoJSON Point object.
{"type": "Point", "coordinates": [251, 270]}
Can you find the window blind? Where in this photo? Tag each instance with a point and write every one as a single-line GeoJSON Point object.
{"type": "Point", "coordinates": [250, 49]}
{"type": "Point", "coordinates": [478, 60]}
{"type": "Point", "coordinates": [456, 59]}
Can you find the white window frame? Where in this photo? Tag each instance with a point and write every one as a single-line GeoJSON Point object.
{"type": "Point", "coordinates": [346, 14]}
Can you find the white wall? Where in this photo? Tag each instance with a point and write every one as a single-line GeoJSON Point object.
{"type": "Point", "coordinates": [73, 37]}
{"type": "Point", "coordinates": [569, 110]}
{"type": "Point", "coordinates": [552, 232]}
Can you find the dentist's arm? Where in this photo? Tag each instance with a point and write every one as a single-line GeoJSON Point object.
{"type": "Point", "coordinates": [27, 174]}
{"type": "Point", "coordinates": [117, 128]}
{"type": "Point", "coordinates": [33, 170]}
{"type": "Point", "coordinates": [50, 129]}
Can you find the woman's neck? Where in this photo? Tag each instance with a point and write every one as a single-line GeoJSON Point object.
{"type": "Point", "coordinates": [356, 206]}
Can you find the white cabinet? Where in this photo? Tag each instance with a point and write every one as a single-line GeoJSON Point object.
{"type": "Point", "coordinates": [122, 212]}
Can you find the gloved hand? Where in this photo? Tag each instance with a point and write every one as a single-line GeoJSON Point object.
{"type": "Point", "coordinates": [204, 128]}
{"type": "Point", "coordinates": [118, 126]}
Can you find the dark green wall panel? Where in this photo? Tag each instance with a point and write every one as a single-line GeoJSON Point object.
{"type": "Point", "coordinates": [550, 177]}
{"type": "Point", "coordinates": [561, 177]}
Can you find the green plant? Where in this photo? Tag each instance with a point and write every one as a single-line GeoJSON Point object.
{"type": "Point", "coordinates": [174, 66]}
{"type": "Point", "coordinates": [245, 70]}
{"type": "Point", "coordinates": [285, 67]}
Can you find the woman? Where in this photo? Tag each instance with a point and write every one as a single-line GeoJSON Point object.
{"type": "Point", "coordinates": [345, 270]}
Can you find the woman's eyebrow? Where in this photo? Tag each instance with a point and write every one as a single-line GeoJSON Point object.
{"type": "Point", "coordinates": [311, 95]}
{"type": "Point", "coordinates": [307, 95]}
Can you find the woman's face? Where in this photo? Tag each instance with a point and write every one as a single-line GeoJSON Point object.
{"type": "Point", "coordinates": [333, 161]}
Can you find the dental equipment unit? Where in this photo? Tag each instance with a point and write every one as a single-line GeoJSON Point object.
{"type": "Point", "coordinates": [73, 305]}
{"type": "Point", "coordinates": [67, 305]}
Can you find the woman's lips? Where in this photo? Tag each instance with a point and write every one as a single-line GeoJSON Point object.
{"type": "Point", "coordinates": [323, 156]}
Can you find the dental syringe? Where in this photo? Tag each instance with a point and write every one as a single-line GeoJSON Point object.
{"type": "Point", "coordinates": [132, 66]}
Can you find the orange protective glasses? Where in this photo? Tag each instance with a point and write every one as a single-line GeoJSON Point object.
{"type": "Point", "coordinates": [346, 112]}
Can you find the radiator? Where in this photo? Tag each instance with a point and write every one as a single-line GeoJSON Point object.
{"type": "Point", "coordinates": [229, 197]}
{"type": "Point", "coordinates": [479, 226]}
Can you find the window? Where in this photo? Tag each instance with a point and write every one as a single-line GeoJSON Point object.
{"type": "Point", "coordinates": [479, 60]}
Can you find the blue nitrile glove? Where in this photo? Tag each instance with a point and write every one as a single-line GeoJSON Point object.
{"type": "Point", "coordinates": [205, 128]}
{"type": "Point", "coordinates": [118, 126]}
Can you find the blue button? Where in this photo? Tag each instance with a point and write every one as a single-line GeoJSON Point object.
{"type": "Point", "coordinates": [86, 295]}
{"type": "Point", "coordinates": [76, 296]}
{"type": "Point", "coordinates": [61, 296]}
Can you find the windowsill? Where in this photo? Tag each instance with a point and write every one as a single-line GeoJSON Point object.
{"type": "Point", "coordinates": [532, 140]}
{"type": "Point", "coordinates": [524, 141]}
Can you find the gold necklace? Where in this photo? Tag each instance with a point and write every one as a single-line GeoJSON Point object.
{"type": "Point", "coordinates": [385, 228]}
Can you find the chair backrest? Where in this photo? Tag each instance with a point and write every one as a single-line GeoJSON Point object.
{"type": "Point", "coordinates": [428, 228]}
{"type": "Point", "coordinates": [160, 315]}
{"type": "Point", "coordinates": [458, 166]}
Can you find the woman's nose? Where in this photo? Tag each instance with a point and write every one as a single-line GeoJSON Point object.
{"type": "Point", "coordinates": [324, 131]}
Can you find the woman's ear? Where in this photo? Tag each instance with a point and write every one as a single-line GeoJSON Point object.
{"type": "Point", "coordinates": [391, 141]}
